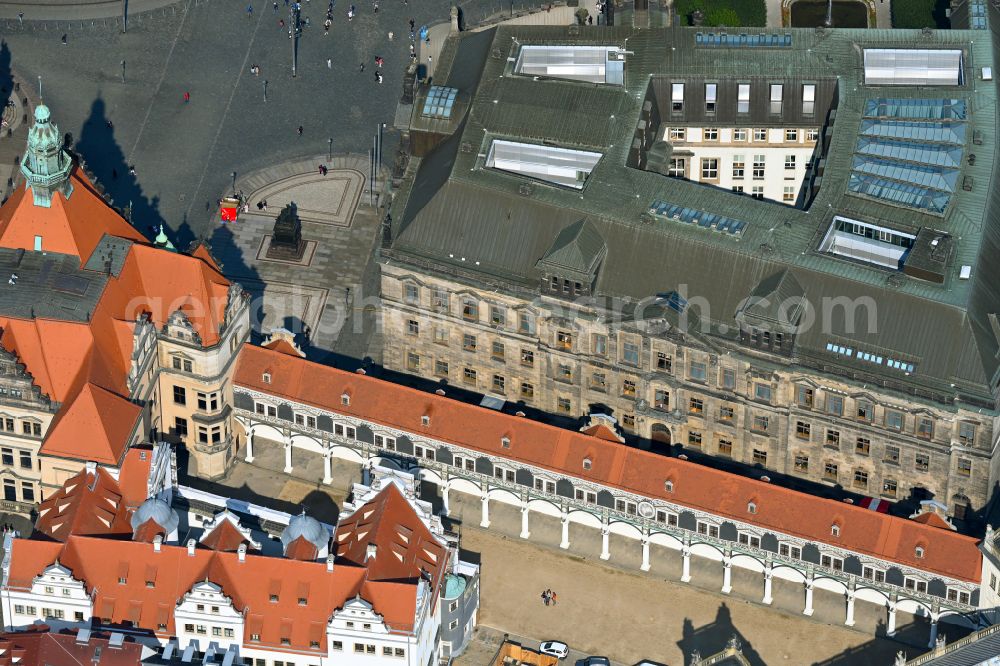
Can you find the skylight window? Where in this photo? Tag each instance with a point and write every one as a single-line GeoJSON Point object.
{"type": "Point", "coordinates": [913, 67]}
{"type": "Point", "coordinates": [743, 98]}
{"type": "Point", "coordinates": [593, 64]}
{"type": "Point", "coordinates": [558, 166]}
{"type": "Point", "coordinates": [867, 242]}
{"type": "Point", "coordinates": [808, 99]}
{"type": "Point", "coordinates": [702, 219]}
{"type": "Point", "coordinates": [777, 91]}
{"type": "Point", "coordinates": [440, 102]}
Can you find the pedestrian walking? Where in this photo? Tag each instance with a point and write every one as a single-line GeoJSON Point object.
{"type": "Point", "coordinates": [110, 125]}
{"type": "Point", "coordinates": [378, 77]}
{"type": "Point", "coordinates": [20, 18]}
{"type": "Point", "coordinates": [329, 63]}
{"type": "Point", "coordinates": [131, 169]}
{"type": "Point", "coordinates": [250, 10]}
{"type": "Point", "coordinates": [260, 205]}
{"type": "Point", "coordinates": [275, 6]}
{"type": "Point", "coordinates": [430, 61]}
{"type": "Point", "coordinates": [362, 68]}
{"type": "Point", "coordinates": [375, 6]}
{"type": "Point", "coordinates": [187, 97]}
{"type": "Point", "coordinates": [378, 61]}
{"type": "Point", "coordinates": [391, 35]}
{"type": "Point", "coordinates": [554, 597]}
{"type": "Point", "coordinates": [326, 27]}
{"type": "Point", "coordinates": [545, 598]}
{"type": "Point", "coordinates": [64, 37]}
{"type": "Point", "coordinates": [265, 205]}
{"type": "Point", "coordinates": [281, 23]}
{"type": "Point", "coordinates": [299, 130]}
{"type": "Point", "coordinates": [412, 23]}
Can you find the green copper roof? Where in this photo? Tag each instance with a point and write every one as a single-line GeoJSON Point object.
{"type": "Point", "coordinates": [46, 166]}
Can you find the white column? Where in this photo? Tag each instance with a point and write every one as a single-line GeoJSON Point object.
{"type": "Point", "coordinates": [727, 574]}
{"type": "Point", "coordinates": [485, 522]}
{"type": "Point", "coordinates": [525, 532]}
{"type": "Point", "coordinates": [768, 575]}
{"type": "Point", "coordinates": [645, 553]}
{"type": "Point", "coordinates": [809, 597]}
{"type": "Point", "coordinates": [890, 626]}
{"type": "Point", "coordinates": [850, 609]}
{"type": "Point", "coordinates": [605, 537]}
{"type": "Point", "coordinates": [288, 455]}
{"type": "Point", "coordinates": [249, 457]}
{"type": "Point", "coordinates": [565, 531]}
{"type": "Point", "coordinates": [445, 509]}
{"type": "Point", "coordinates": [327, 468]}
{"type": "Point", "coordinates": [934, 630]}
{"type": "Point", "coordinates": [686, 571]}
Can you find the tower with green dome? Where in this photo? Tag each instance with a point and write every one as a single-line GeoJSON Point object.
{"type": "Point", "coordinates": [46, 166]}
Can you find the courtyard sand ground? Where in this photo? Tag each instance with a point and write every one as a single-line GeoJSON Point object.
{"type": "Point", "coordinates": [630, 617]}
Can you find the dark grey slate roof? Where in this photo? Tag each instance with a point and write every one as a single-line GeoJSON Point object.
{"type": "Point", "coordinates": [576, 252]}
{"type": "Point", "coordinates": [454, 215]}
{"type": "Point", "coordinates": [973, 650]}
{"type": "Point", "coordinates": [48, 285]}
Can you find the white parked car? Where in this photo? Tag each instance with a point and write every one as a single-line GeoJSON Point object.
{"type": "Point", "coordinates": [554, 648]}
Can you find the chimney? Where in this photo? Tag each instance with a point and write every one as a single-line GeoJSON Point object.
{"type": "Point", "coordinates": [371, 552]}
{"type": "Point", "coordinates": [190, 547]}
{"type": "Point", "coordinates": [241, 552]}
{"type": "Point", "coordinates": [157, 543]}
{"type": "Point", "coordinates": [329, 562]}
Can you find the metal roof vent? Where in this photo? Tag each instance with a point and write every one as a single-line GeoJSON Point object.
{"type": "Point", "coordinates": [987, 73]}
{"type": "Point", "coordinates": [965, 273]}
{"type": "Point", "coordinates": [967, 183]}
{"type": "Point", "coordinates": [526, 189]}
{"type": "Point", "coordinates": [977, 137]}
{"type": "Point", "coordinates": [466, 147]}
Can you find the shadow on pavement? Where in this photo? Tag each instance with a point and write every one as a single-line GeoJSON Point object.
{"type": "Point", "coordinates": [107, 162]}
{"type": "Point", "coordinates": [713, 638]}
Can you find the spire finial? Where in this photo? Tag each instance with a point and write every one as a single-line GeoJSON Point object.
{"type": "Point", "coordinates": [39, 87]}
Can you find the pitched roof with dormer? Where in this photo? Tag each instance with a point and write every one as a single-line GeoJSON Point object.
{"type": "Point", "coordinates": [90, 503]}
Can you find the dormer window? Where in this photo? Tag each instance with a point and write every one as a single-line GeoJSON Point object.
{"type": "Point", "coordinates": [587, 463]}
{"type": "Point", "coordinates": [919, 552]}
{"type": "Point", "coordinates": [425, 420]}
{"type": "Point", "coordinates": [345, 399]}
{"type": "Point", "coordinates": [266, 378]}
{"type": "Point", "coordinates": [505, 442]}
{"type": "Point", "coordinates": [835, 530]}
{"type": "Point", "coordinates": [751, 507]}
{"type": "Point", "coordinates": [668, 486]}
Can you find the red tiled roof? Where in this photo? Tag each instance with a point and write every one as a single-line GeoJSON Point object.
{"type": "Point", "coordinates": [933, 520]}
{"type": "Point", "coordinates": [38, 646]}
{"type": "Point", "coordinates": [96, 426]}
{"type": "Point", "coordinates": [70, 226]}
{"type": "Point", "coordinates": [89, 504]}
{"type": "Point", "coordinates": [224, 537]}
{"type": "Point", "coordinates": [134, 476]}
{"type": "Point", "coordinates": [301, 548]}
{"type": "Point", "coordinates": [403, 545]}
{"type": "Point", "coordinates": [612, 464]}
{"type": "Point", "coordinates": [249, 584]}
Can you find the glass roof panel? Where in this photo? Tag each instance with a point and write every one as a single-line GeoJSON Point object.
{"type": "Point", "coordinates": [913, 67]}
{"type": "Point", "coordinates": [558, 166]}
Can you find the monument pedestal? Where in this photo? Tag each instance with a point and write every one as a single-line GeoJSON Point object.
{"type": "Point", "coordinates": [287, 243]}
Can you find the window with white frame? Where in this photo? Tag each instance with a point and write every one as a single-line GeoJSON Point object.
{"type": "Point", "coordinates": [790, 550]}
{"type": "Point", "coordinates": [666, 517]}
{"type": "Point", "coordinates": [306, 420]}
{"type": "Point", "coordinates": [344, 431]}
{"type": "Point", "coordinates": [873, 574]}
{"type": "Point", "coordinates": [265, 410]}
{"type": "Point", "coordinates": [748, 539]}
{"type": "Point", "coordinates": [462, 462]}
{"type": "Point", "coordinates": [626, 507]}
{"type": "Point", "coordinates": [956, 594]}
{"type": "Point", "coordinates": [743, 98]}
{"type": "Point", "coordinates": [423, 452]}
{"type": "Point", "coordinates": [676, 97]}
{"type": "Point", "coordinates": [677, 133]}
{"type": "Point", "coordinates": [708, 529]}
{"type": "Point", "coordinates": [831, 562]}
{"type": "Point", "coordinates": [385, 442]}
{"type": "Point", "coordinates": [504, 474]}
{"type": "Point", "coordinates": [915, 584]}
{"type": "Point", "coordinates": [808, 99]}
{"type": "Point", "coordinates": [545, 486]}
{"type": "Point", "coordinates": [777, 91]}
{"type": "Point", "coordinates": [588, 496]}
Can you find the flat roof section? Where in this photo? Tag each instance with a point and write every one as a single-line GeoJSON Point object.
{"type": "Point", "coordinates": [558, 166]}
{"type": "Point", "coordinates": [913, 67]}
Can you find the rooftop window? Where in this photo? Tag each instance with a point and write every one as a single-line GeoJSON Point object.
{"type": "Point", "coordinates": [722, 39]}
{"type": "Point", "coordinates": [700, 218]}
{"type": "Point", "coordinates": [866, 242]}
{"type": "Point", "coordinates": [913, 67]}
{"type": "Point", "coordinates": [593, 64]}
{"type": "Point", "coordinates": [558, 166]}
{"type": "Point", "coordinates": [439, 103]}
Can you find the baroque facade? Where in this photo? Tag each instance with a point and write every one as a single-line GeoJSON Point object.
{"type": "Point", "coordinates": [106, 340]}
{"type": "Point", "coordinates": [844, 332]}
{"type": "Point", "coordinates": [590, 482]}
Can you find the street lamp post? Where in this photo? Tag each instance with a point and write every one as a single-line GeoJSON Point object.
{"type": "Point", "coordinates": [124, 16]}
{"type": "Point", "coordinates": [234, 182]}
{"type": "Point", "coordinates": [295, 38]}
{"type": "Point", "coordinates": [329, 152]}
{"type": "Point", "coordinates": [123, 72]}
{"type": "Point", "coordinates": [265, 90]}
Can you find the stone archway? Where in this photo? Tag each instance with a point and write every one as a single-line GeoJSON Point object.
{"type": "Point", "coordinates": [660, 434]}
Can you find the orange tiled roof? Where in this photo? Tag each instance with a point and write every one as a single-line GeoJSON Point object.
{"type": "Point", "coordinates": [642, 472]}
{"type": "Point", "coordinates": [70, 226]}
{"type": "Point", "coordinates": [38, 645]}
{"type": "Point", "coordinates": [89, 504]}
{"type": "Point", "coordinates": [403, 545]}
{"type": "Point", "coordinates": [224, 537]}
{"type": "Point", "coordinates": [89, 362]}
{"type": "Point", "coordinates": [95, 426]}
{"type": "Point", "coordinates": [101, 562]}
{"type": "Point", "coordinates": [933, 520]}
{"type": "Point", "coordinates": [133, 479]}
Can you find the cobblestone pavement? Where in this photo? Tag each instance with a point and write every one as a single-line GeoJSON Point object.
{"type": "Point", "coordinates": [185, 153]}
{"type": "Point", "coordinates": [328, 287]}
